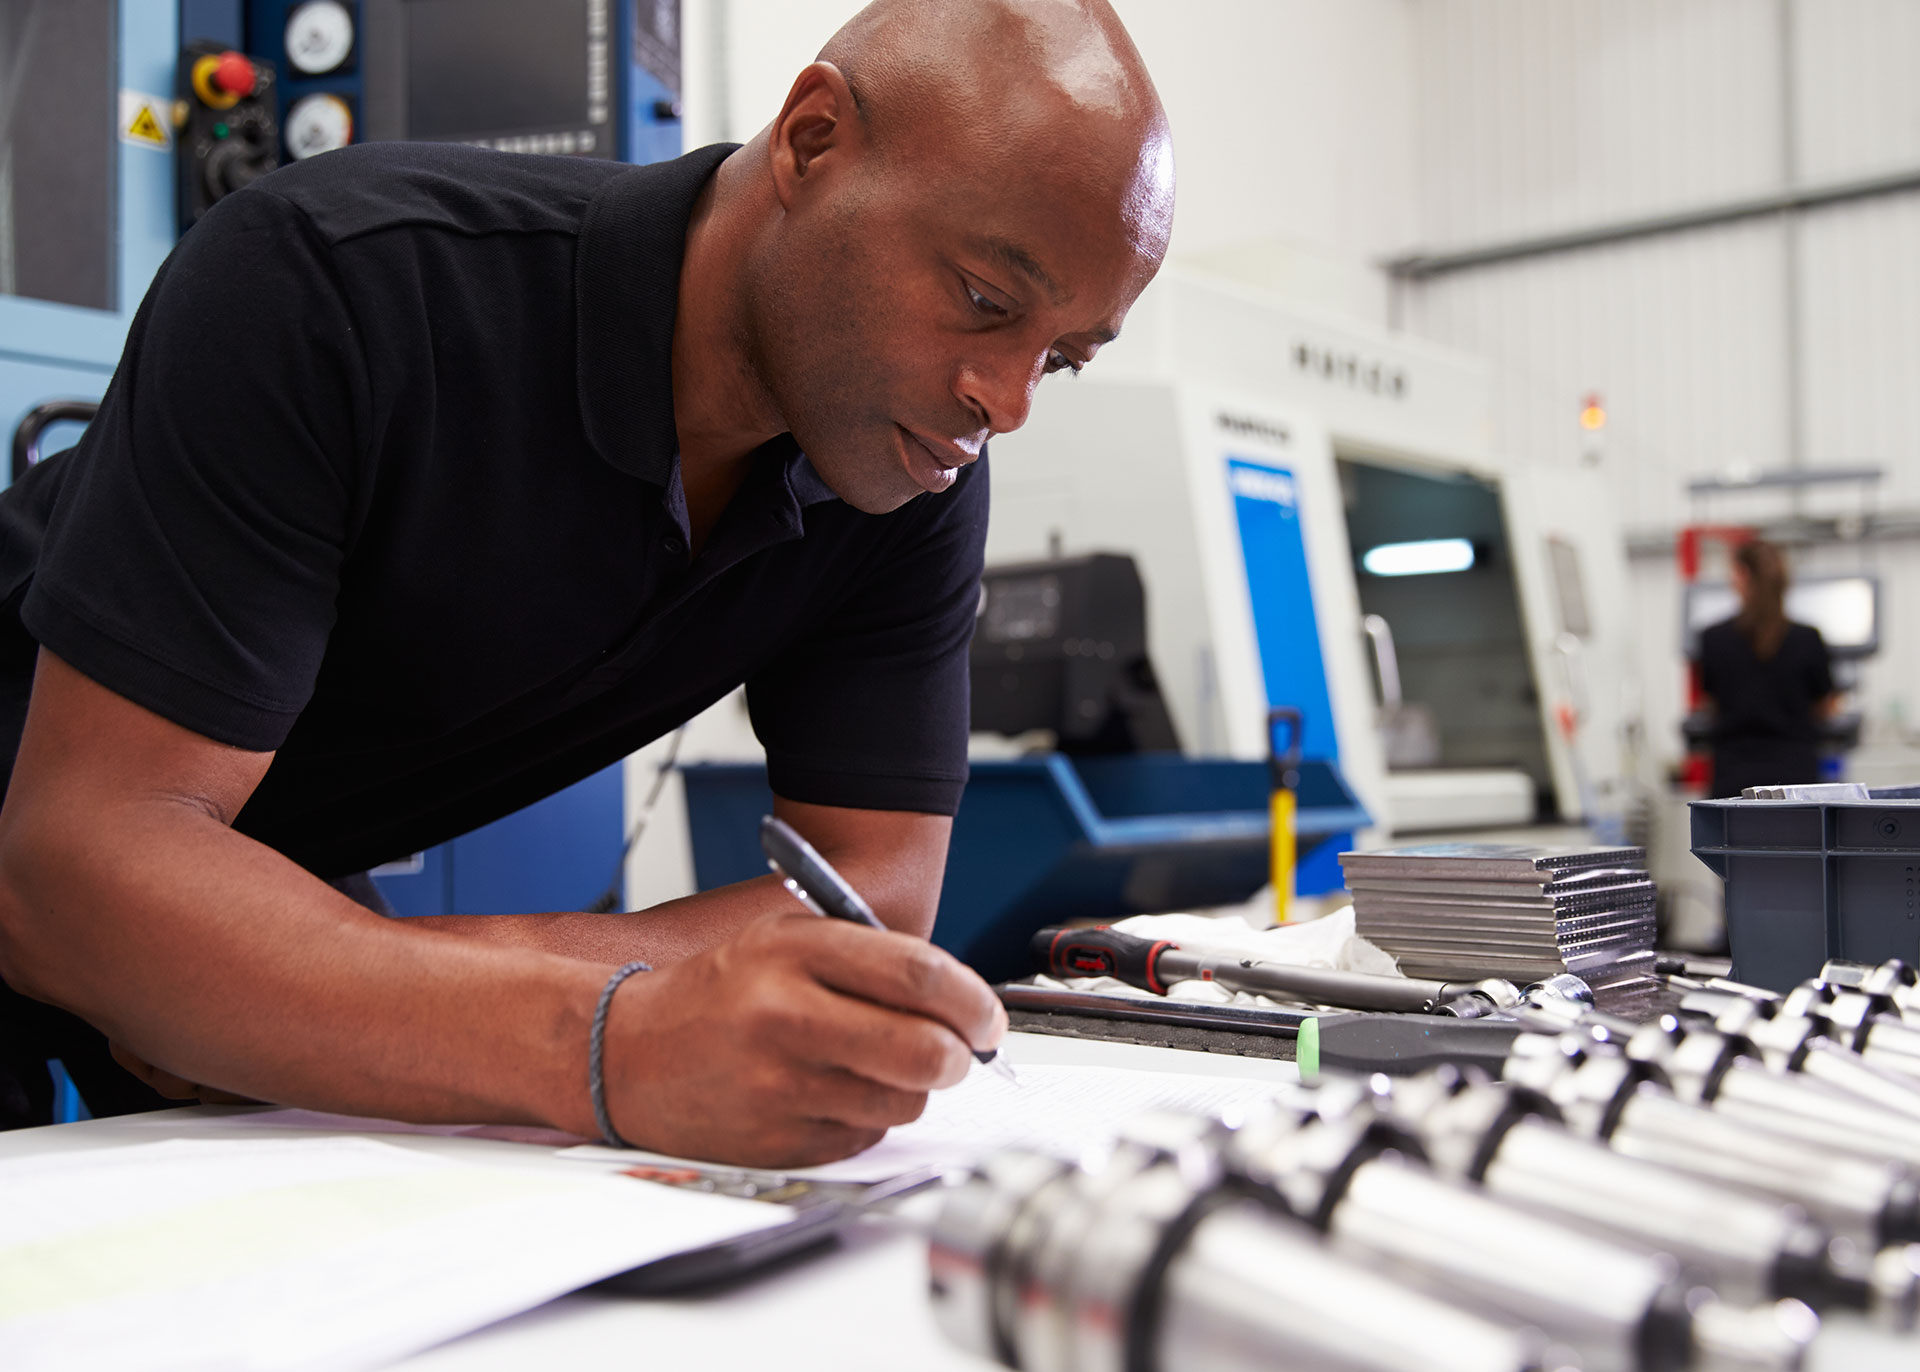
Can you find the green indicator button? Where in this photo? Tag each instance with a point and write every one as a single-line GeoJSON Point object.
{"type": "Point", "coordinates": [219, 130]}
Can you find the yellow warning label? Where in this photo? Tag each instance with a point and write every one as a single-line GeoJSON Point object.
{"type": "Point", "coordinates": [143, 120]}
{"type": "Point", "coordinates": [147, 129]}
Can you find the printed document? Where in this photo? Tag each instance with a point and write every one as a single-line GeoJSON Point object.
{"type": "Point", "coordinates": [309, 1254]}
{"type": "Point", "coordinates": [1064, 1110]}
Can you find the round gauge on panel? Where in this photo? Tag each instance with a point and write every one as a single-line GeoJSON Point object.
{"type": "Point", "coordinates": [318, 123]}
{"type": "Point", "coordinates": [319, 36]}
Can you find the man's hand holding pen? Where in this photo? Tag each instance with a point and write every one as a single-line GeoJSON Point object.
{"type": "Point", "coordinates": [801, 1041]}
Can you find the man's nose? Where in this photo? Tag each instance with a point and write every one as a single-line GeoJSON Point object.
{"type": "Point", "coordinates": [1000, 389]}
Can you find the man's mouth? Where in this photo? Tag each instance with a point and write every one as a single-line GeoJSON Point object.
{"type": "Point", "coordinates": [933, 468]}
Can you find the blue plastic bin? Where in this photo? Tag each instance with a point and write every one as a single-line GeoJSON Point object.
{"type": "Point", "coordinates": [1049, 838]}
{"type": "Point", "coordinates": [1811, 880]}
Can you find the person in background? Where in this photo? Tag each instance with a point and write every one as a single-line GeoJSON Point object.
{"type": "Point", "coordinates": [1768, 680]}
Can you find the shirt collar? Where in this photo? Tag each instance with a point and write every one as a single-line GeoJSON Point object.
{"type": "Point", "coordinates": [626, 291]}
{"type": "Point", "coordinates": [804, 481]}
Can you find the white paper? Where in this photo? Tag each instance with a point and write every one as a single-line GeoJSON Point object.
{"type": "Point", "coordinates": [1064, 1110]}
{"type": "Point", "coordinates": [308, 1254]}
{"type": "Point", "coordinates": [320, 1122]}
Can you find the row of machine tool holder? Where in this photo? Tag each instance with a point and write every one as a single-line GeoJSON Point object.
{"type": "Point", "coordinates": [1734, 1188]}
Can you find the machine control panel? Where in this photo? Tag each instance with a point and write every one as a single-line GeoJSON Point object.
{"type": "Point", "coordinates": [319, 36]}
{"type": "Point", "coordinates": [318, 123]}
{"type": "Point", "coordinates": [229, 134]}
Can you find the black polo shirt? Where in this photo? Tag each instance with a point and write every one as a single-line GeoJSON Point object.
{"type": "Point", "coordinates": [387, 481]}
{"type": "Point", "coordinates": [1766, 711]}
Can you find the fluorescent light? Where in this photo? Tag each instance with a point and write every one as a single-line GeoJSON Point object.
{"type": "Point", "coordinates": [1419, 559]}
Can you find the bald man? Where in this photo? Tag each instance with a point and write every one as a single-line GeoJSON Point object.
{"type": "Point", "coordinates": [434, 479]}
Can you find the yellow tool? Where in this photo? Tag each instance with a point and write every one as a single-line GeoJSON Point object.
{"type": "Point", "coordinates": [1283, 764]}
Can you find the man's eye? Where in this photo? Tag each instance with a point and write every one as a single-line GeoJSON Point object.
{"type": "Point", "coordinates": [982, 304]}
{"type": "Point", "coordinates": [1060, 362]}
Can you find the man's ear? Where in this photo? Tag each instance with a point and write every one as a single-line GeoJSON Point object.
{"type": "Point", "coordinates": [818, 121]}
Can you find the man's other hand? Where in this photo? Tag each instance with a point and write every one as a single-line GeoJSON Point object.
{"type": "Point", "coordinates": [801, 1041]}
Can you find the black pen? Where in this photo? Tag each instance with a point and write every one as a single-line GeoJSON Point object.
{"type": "Point", "coordinates": [824, 891]}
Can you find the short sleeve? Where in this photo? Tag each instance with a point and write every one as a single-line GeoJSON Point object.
{"type": "Point", "coordinates": [871, 711]}
{"type": "Point", "coordinates": [192, 560]}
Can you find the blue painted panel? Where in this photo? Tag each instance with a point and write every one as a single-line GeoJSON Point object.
{"type": "Point", "coordinates": [1266, 503]}
{"type": "Point", "coordinates": [645, 136]}
{"type": "Point", "coordinates": [556, 855]}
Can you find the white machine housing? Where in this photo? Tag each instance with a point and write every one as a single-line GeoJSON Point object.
{"type": "Point", "coordinates": [1134, 458]}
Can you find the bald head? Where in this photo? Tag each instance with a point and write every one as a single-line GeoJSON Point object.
{"type": "Point", "coordinates": [1012, 80]}
{"type": "Point", "coordinates": [958, 198]}
{"type": "Point", "coordinates": [896, 52]}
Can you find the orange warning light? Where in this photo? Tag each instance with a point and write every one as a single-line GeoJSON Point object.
{"type": "Point", "coordinates": [1593, 415]}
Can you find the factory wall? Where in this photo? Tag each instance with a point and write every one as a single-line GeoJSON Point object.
{"type": "Point", "coordinates": [1754, 344]}
{"type": "Point", "coordinates": [1293, 124]}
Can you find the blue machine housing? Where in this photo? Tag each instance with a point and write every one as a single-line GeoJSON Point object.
{"type": "Point", "coordinates": [1050, 838]}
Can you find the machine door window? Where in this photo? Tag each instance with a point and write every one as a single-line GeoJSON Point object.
{"type": "Point", "coordinates": [58, 149]}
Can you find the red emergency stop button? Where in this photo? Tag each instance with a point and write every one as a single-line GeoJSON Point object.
{"type": "Point", "coordinates": [234, 74]}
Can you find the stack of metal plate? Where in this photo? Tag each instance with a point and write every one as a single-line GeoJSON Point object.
{"type": "Point", "coordinates": [1521, 911]}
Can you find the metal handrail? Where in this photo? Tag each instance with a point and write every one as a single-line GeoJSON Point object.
{"type": "Point", "coordinates": [26, 438]}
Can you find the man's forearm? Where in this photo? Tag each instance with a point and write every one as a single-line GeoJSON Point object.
{"type": "Point", "coordinates": [664, 934]}
{"type": "Point", "coordinates": [894, 860]}
{"type": "Point", "coordinates": [661, 934]}
{"type": "Point", "coordinates": [217, 959]}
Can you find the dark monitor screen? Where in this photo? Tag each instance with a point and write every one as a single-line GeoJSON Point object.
{"type": "Point", "coordinates": [475, 68]}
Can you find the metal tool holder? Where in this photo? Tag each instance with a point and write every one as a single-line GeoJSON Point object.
{"type": "Point", "coordinates": [1671, 1196]}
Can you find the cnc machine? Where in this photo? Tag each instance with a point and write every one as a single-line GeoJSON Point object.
{"type": "Point", "coordinates": [1266, 469]}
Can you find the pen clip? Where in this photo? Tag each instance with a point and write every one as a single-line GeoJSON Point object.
{"type": "Point", "coordinates": [799, 892]}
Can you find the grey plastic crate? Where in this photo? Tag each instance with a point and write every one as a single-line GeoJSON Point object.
{"type": "Point", "coordinates": [1809, 880]}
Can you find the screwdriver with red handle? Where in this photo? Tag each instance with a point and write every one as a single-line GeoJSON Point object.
{"type": "Point", "coordinates": [1155, 964]}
